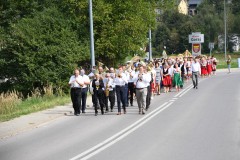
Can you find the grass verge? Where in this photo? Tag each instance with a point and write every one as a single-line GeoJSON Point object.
{"type": "Point", "coordinates": [30, 105]}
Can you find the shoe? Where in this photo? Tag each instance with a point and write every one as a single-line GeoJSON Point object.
{"type": "Point", "coordinates": [119, 113]}
{"type": "Point", "coordinates": [111, 110]}
{"type": "Point", "coordinates": [102, 113]}
{"type": "Point", "coordinates": [83, 112]}
{"type": "Point", "coordinates": [131, 104]}
{"type": "Point", "coordinates": [143, 112]}
{"type": "Point", "coordinates": [106, 111]}
{"type": "Point", "coordinates": [96, 114]}
{"type": "Point", "coordinates": [196, 87]}
{"type": "Point", "coordinates": [124, 111]}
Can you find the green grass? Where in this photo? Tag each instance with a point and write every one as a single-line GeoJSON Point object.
{"type": "Point", "coordinates": [31, 105]}
{"type": "Point", "coordinates": [222, 63]}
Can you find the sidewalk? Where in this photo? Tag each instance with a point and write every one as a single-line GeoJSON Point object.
{"type": "Point", "coordinates": [35, 120]}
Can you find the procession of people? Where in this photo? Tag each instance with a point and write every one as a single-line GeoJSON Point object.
{"type": "Point", "coordinates": [136, 80]}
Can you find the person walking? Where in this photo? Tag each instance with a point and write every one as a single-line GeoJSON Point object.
{"type": "Point", "coordinates": [196, 71]}
{"type": "Point", "coordinates": [98, 93]}
{"type": "Point", "coordinates": [177, 79]}
{"type": "Point", "coordinates": [229, 60]}
{"type": "Point", "coordinates": [76, 82]}
{"type": "Point", "coordinates": [84, 89]}
{"type": "Point", "coordinates": [109, 93]}
{"type": "Point", "coordinates": [158, 78]}
{"type": "Point", "coordinates": [131, 84]}
{"type": "Point", "coordinates": [141, 82]}
{"type": "Point", "coordinates": [120, 82]}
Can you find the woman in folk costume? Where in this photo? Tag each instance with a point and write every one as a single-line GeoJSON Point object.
{"type": "Point", "coordinates": [167, 80]}
{"type": "Point", "coordinates": [177, 79]}
{"type": "Point", "coordinates": [204, 67]}
{"type": "Point", "coordinates": [214, 65]}
{"type": "Point", "coordinates": [209, 66]}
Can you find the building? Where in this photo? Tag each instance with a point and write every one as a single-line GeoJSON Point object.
{"type": "Point", "coordinates": [192, 6]}
{"type": "Point", "coordinates": [183, 7]}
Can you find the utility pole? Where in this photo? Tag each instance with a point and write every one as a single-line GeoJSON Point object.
{"type": "Point", "coordinates": [150, 44]}
{"type": "Point", "coordinates": [225, 30]}
{"type": "Point", "coordinates": [91, 34]}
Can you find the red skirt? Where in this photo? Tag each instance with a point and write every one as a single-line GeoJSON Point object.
{"type": "Point", "coordinates": [204, 70]}
{"type": "Point", "coordinates": [167, 81]}
{"type": "Point", "coordinates": [209, 69]}
{"type": "Point", "coordinates": [152, 87]}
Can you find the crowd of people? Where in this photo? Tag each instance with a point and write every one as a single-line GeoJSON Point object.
{"type": "Point", "coordinates": [136, 80]}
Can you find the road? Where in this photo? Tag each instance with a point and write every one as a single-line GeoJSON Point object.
{"type": "Point", "coordinates": [201, 124]}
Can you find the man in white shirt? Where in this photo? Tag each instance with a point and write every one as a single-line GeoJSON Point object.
{"type": "Point", "coordinates": [109, 93]}
{"type": "Point", "coordinates": [131, 83]}
{"type": "Point", "coordinates": [76, 82]}
{"type": "Point", "coordinates": [141, 82]}
{"type": "Point", "coordinates": [84, 89]}
{"type": "Point", "coordinates": [196, 70]}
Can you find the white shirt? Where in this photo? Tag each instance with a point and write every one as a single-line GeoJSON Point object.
{"type": "Point", "coordinates": [170, 70]}
{"type": "Point", "coordinates": [145, 80]}
{"type": "Point", "coordinates": [86, 80]}
{"type": "Point", "coordinates": [196, 67]}
{"type": "Point", "coordinates": [131, 77]}
{"type": "Point", "coordinates": [110, 82]}
{"type": "Point", "coordinates": [120, 81]}
{"type": "Point", "coordinates": [73, 82]}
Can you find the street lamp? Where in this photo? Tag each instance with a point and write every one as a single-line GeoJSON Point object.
{"type": "Point", "coordinates": [91, 34]}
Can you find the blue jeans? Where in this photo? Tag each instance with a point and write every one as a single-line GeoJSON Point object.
{"type": "Point", "coordinates": [120, 90]}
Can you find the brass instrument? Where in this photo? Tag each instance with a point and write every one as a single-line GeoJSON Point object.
{"type": "Point", "coordinates": [97, 84]}
{"type": "Point", "coordinates": [107, 89]}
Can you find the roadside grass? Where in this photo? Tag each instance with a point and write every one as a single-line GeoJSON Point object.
{"type": "Point", "coordinates": [222, 63]}
{"type": "Point", "coordinates": [12, 105]}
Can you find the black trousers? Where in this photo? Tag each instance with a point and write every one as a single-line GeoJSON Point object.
{"type": "Point", "coordinates": [148, 98]}
{"type": "Point", "coordinates": [99, 99]}
{"type": "Point", "coordinates": [110, 98]}
{"type": "Point", "coordinates": [131, 91]}
{"type": "Point", "coordinates": [76, 99]}
{"type": "Point", "coordinates": [120, 91]}
{"type": "Point", "coordinates": [84, 98]}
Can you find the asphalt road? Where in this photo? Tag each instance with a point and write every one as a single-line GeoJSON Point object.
{"type": "Point", "coordinates": [201, 124]}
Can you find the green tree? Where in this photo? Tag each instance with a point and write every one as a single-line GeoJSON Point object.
{"type": "Point", "coordinates": [42, 50]}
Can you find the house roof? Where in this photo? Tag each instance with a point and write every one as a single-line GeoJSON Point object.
{"type": "Point", "coordinates": [196, 2]}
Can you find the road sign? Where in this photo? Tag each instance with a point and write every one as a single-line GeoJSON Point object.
{"type": "Point", "coordinates": [196, 38]}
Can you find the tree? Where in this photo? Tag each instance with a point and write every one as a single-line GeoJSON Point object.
{"type": "Point", "coordinates": [42, 50]}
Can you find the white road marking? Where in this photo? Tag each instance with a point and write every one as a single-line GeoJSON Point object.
{"type": "Point", "coordinates": [120, 135]}
{"type": "Point", "coordinates": [117, 134]}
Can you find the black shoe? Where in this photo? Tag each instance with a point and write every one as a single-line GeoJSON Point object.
{"type": "Point", "coordinates": [131, 104]}
{"type": "Point", "coordinates": [95, 114]}
{"type": "Point", "coordinates": [102, 113]}
{"type": "Point", "coordinates": [143, 112]}
{"type": "Point", "coordinates": [196, 87]}
{"type": "Point", "coordinates": [111, 110]}
{"type": "Point", "coordinates": [83, 112]}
